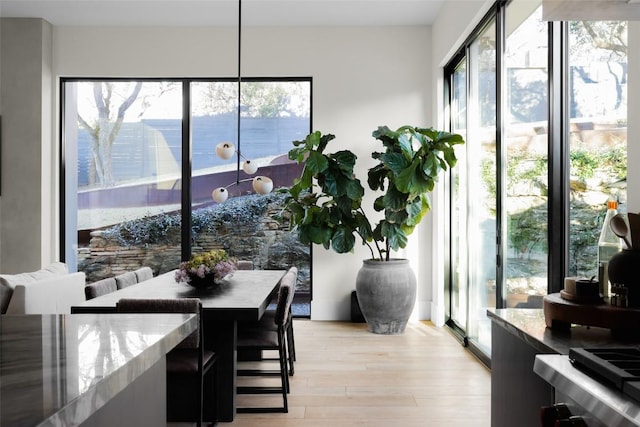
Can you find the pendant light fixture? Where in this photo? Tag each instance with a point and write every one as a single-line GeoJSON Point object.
{"type": "Point", "coordinates": [226, 150]}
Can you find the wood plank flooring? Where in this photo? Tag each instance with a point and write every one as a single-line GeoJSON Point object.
{"type": "Point", "coordinates": [346, 376]}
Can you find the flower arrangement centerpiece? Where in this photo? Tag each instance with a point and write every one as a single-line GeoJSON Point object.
{"type": "Point", "coordinates": [206, 269]}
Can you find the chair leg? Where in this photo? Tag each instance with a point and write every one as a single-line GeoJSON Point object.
{"type": "Point", "coordinates": [290, 333]}
{"type": "Point", "coordinates": [284, 381]}
{"type": "Point", "coordinates": [284, 375]}
{"type": "Point", "coordinates": [291, 347]}
{"type": "Point", "coordinates": [200, 400]}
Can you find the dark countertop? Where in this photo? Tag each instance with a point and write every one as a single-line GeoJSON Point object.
{"type": "Point", "coordinates": [602, 402]}
{"type": "Point", "coordinates": [57, 370]}
{"type": "Point", "coordinates": [528, 324]}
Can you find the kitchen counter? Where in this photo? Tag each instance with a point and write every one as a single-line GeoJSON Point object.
{"type": "Point", "coordinates": [528, 325]}
{"type": "Point", "coordinates": [603, 403]}
{"type": "Point", "coordinates": [517, 337]}
{"type": "Point", "coordinates": [87, 369]}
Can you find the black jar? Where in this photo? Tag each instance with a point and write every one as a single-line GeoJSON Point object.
{"type": "Point", "coordinates": [624, 275]}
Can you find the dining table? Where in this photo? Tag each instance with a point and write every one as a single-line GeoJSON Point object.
{"type": "Point", "coordinates": [242, 296]}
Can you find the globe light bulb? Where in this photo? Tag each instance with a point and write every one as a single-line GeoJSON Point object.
{"type": "Point", "coordinates": [225, 150]}
{"type": "Point", "coordinates": [249, 167]}
{"type": "Point", "coordinates": [220, 194]}
{"type": "Point", "coordinates": [262, 185]}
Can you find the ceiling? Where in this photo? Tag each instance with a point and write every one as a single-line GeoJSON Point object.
{"type": "Point", "coordinates": [224, 12]}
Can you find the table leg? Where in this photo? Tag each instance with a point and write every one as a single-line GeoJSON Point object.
{"type": "Point", "coordinates": [221, 337]}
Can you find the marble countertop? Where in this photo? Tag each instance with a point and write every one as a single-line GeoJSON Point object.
{"type": "Point", "coordinates": [56, 370]}
{"type": "Point", "coordinates": [529, 325]}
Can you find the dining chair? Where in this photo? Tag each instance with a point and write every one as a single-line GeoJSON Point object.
{"type": "Point", "coordinates": [143, 273]}
{"type": "Point", "coordinates": [244, 264]}
{"type": "Point", "coordinates": [100, 287]}
{"type": "Point", "coordinates": [191, 369]}
{"type": "Point", "coordinates": [261, 339]}
{"type": "Point", "coordinates": [125, 280]}
{"type": "Point", "coordinates": [268, 322]}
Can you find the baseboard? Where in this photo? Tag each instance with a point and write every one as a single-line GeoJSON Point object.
{"type": "Point", "coordinates": [422, 310]}
{"type": "Point", "coordinates": [437, 314]}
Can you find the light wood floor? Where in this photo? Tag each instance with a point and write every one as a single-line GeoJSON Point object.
{"type": "Point", "coordinates": [346, 376]}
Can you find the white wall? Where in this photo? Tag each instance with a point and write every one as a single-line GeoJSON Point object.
{"type": "Point", "coordinates": [29, 211]}
{"type": "Point", "coordinates": [362, 77]}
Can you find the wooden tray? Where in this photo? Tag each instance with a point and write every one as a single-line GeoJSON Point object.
{"type": "Point", "coordinates": [560, 314]}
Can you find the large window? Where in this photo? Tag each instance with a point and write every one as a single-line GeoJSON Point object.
{"type": "Point", "coordinates": [525, 166]}
{"type": "Point", "coordinates": [132, 149]}
{"type": "Point", "coordinates": [597, 134]}
{"type": "Point", "coordinates": [515, 156]}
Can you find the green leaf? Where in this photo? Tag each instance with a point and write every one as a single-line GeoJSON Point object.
{"type": "Point", "coordinates": [296, 209]}
{"type": "Point", "coordinates": [397, 162]}
{"type": "Point", "coordinates": [297, 154]}
{"type": "Point", "coordinates": [345, 160]}
{"type": "Point", "coordinates": [364, 226]}
{"type": "Point", "coordinates": [448, 138]}
{"type": "Point", "coordinates": [295, 189]}
{"type": "Point", "coordinates": [394, 199]}
{"type": "Point", "coordinates": [336, 184]}
{"type": "Point", "coordinates": [396, 216]}
{"type": "Point", "coordinates": [377, 232]}
{"type": "Point", "coordinates": [417, 209]}
{"type": "Point", "coordinates": [306, 179]}
{"type": "Point", "coordinates": [323, 141]}
{"type": "Point", "coordinates": [343, 240]}
{"type": "Point", "coordinates": [404, 141]}
{"type": "Point", "coordinates": [431, 166]}
{"type": "Point", "coordinates": [385, 135]}
{"type": "Point", "coordinates": [345, 205]}
{"type": "Point", "coordinates": [376, 177]}
{"type": "Point", "coordinates": [316, 162]}
{"type": "Point", "coordinates": [378, 204]}
{"type": "Point", "coordinates": [406, 180]}
{"type": "Point", "coordinates": [450, 157]}
{"type": "Point", "coordinates": [354, 190]}
{"type": "Point", "coordinates": [319, 235]}
{"type": "Point", "coordinates": [396, 237]}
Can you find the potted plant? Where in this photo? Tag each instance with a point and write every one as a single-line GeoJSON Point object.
{"type": "Point", "coordinates": [325, 206]}
{"type": "Point", "coordinates": [205, 270]}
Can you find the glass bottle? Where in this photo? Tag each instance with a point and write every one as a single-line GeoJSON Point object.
{"type": "Point", "coordinates": [608, 245]}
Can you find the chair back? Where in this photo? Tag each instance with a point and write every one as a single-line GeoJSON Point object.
{"type": "Point", "coordinates": [143, 273]}
{"type": "Point", "coordinates": [126, 279]}
{"type": "Point", "coordinates": [177, 305]}
{"type": "Point", "coordinates": [100, 287]}
{"type": "Point", "coordinates": [244, 264]}
{"type": "Point", "coordinates": [286, 292]}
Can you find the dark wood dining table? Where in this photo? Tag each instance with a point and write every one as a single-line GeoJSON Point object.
{"type": "Point", "coordinates": [242, 297]}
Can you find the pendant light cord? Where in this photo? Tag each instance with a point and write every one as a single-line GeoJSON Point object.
{"type": "Point", "coordinates": [239, 80]}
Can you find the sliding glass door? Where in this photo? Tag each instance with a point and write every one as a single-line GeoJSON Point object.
{"type": "Point", "coordinates": [524, 170]}
{"type": "Point", "coordinates": [474, 199]}
{"type": "Point", "coordinates": [498, 90]}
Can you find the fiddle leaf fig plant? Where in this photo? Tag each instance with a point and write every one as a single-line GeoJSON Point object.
{"type": "Point", "coordinates": [325, 202]}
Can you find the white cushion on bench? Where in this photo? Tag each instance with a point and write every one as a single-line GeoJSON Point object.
{"type": "Point", "coordinates": [54, 295]}
{"type": "Point", "coordinates": [32, 297]}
